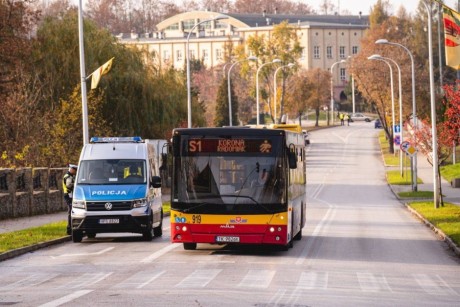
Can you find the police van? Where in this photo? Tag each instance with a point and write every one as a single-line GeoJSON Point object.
{"type": "Point", "coordinates": [117, 189]}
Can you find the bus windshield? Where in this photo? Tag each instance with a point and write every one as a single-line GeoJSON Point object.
{"type": "Point", "coordinates": [114, 171]}
{"type": "Point", "coordinates": [229, 182]}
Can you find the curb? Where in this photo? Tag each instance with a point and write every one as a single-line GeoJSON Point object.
{"type": "Point", "coordinates": [454, 247]}
{"type": "Point", "coordinates": [27, 249]}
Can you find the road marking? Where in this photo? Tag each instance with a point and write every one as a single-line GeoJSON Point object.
{"type": "Point", "coordinates": [199, 278]}
{"type": "Point", "coordinates": [318, 228]}
{"type": "Point", "coordinates": [30, 281]}
{"type": "Point", "coordinates": [257, 279]}
{"type": "Point", "coordinates": [66, 299]}
{"type": "Point", "coordinates": [159, 253]}
{"type": "Point", "coordinates": [86, 280]}
{"type": "Point", "coordinates": [85, 254]}
{"type": "Point", "coordinates": [432, 286]}
{"type": "Point", "coordinates": [313, 280]}
{"type": "Point", "coordinates": [371, 283]}
{"type": "Point", "coordinates": [139, 280]}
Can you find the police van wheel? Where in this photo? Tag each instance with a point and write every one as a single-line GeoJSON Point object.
{"type": "Point", "coordinates": [158, 231]}
{"type": "Point", "coordinates": [189, 246]}
{"type": "Point", "coordinates": [148, 235]}
{"type": "Point", "coordinates": [77, 236]}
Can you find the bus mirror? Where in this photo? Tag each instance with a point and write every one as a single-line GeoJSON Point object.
{"type": "Point", "coordinates": [155, 182]}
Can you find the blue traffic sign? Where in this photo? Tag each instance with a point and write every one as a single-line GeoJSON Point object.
{"type": "Point", "coordinates": [396, 128]}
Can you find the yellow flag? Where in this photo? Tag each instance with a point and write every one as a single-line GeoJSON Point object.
{"type": "Point", "coordinates": [452, 37]}
{"type": "Point", "coordinates": [98, 73]}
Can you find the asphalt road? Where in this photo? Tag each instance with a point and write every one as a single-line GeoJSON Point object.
{"type": "Point", "coordinates": [360, 247]}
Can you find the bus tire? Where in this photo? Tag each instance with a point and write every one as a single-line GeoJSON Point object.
{"type": "Point", "coordinates": [298, 236]}
{"type": "Point", "coordinates": [189, 246]}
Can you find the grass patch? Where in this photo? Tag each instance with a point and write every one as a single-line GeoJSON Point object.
{"type": "Point", "coordinates": [35, 235]}
{"type": "Point", "coordinates": [418, 194]}
{"type": "Point", "coordinates": [394, 177]}
{"type": "Point", "coordinates": [446, 218]}
{"type": "Point", "coordinates": [31, 236]}
{"type": "Point", "coordinates": [451, 171]}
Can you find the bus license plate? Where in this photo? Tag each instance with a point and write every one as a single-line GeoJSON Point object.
{"type": "Point", "coordinates": [226, 239]}
{"type": "Point", "coordinates": [109, 221]}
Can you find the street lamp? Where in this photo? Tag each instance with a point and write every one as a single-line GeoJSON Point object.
{"type": "Point", "coordinates": [332, 89]}
{"type": "Point", "coordinates": [257, 85]}
{"type": "Point", "coordinates": [352, 87]}
{"type": "Point", "coordinates": [290, 65]}
{"type": "Point", "coordinates": [251, 58]}
{"type": "Point", "coordinates": [414, 114]}
{"type": "Point", "coordinates": [379, 57]}
{"type": "Point", "coordinates": [189, 94]}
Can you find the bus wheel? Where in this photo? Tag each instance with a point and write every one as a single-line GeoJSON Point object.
{"type": "Point", "coordinates": [189, 246]}
{"type": "Point", "coordinates": [298, 236]}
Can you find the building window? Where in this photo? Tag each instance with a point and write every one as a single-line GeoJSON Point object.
{"type": "Point", "coordinates": [342, 74]}
{"type": "Point", "coordinates": [166, 55]}
{"type": "Point", "coordinates": [218, 54]}
{"type": "Point", "coordinates": [303, 56]}
{"type": "Point", "coordinates": [173, 26]}
{"type": "Point", "coordinates": [220, 25]}
{"type": "Point", "coordinates": [189, 24]}
{"type": "Point", "coordinates": [316, 52]}
{"type": "Point", "coordinates": [342, 52]}
{"type": "Point", "coordinates": [179, 55]}
{"type": "Point", "coordinates": [354, 50]}
{"type": "Point", "coordinates": [329, 52]}
{"type": "Point", "coordinates": [205, 55]}
{"type": "Point", "coordinates": [192, 54]}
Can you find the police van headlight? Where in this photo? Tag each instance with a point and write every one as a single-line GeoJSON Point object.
{"type": "Point", "coordinates": [81, 204]}
{"type": "Point", "coordinates": [138, 203]}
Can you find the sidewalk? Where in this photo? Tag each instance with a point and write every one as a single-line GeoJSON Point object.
{"type": "Point", "coordinates": [425, 172]}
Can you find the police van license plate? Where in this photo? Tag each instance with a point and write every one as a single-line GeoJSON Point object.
{"type": "Point", "coordinates": [226, 239]}
{"type": "Point", "coordinates": [109, 221]}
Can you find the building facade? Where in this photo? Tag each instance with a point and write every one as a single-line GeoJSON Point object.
{"type": "Point", "coordinates": [326, 39]}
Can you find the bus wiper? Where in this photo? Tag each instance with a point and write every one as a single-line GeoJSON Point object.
{"type": "Point", "coordinates": [249, 197]}
{"type": "Point", "coordinates": [201, 205]}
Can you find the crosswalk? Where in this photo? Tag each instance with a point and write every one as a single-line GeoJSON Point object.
{"type": "Point", "coordinates": [250, 279]}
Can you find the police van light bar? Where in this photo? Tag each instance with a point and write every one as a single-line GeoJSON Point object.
{"type": "Point", "coordinates": [128, 139]}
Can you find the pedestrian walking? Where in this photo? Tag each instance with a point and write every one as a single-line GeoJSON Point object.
{"type": "Point", "coordinates": [347, 118]}
{"type": "Point", "coordinates": [341, 116]}
{"type": "Point", "coordinates": [67, 187]}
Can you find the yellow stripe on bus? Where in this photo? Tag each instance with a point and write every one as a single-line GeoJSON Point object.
{"type": "Point", "coordinates": [260, 219]}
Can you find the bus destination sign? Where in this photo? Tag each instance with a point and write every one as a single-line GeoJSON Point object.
{"type": "Point", "coordinates": [229, 146]}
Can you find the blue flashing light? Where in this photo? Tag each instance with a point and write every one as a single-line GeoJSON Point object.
{"type": "Point", "coordinates": [129, 139]}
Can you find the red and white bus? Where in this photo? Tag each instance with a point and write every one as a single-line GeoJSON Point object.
{"type": "Point", "coordinates": [238, 185]}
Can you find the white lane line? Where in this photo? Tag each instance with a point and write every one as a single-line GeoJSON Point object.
{"type": "Point", "coordinates": [150, 280]}
{"type": "Point", "coordinates": [85, 254]}
{"type": "Point", "coordinates": [313, 280]}
{"type": "Point", "coordinates": [199, 278]}
{"type": "Point", "coordinates": [29, 281]}
{"type": "Point", "coordinates": [159, 253]}
{"type": "Point", "coordinates": [86, 280]}
{"type": "Point", "coordinates": [371, 283]}
{"type": "Point", "coordinates": [432, 286]}
{"type": "Point", "coordinates": [278, 299]}
{"type": "Point", "coordinates": [257, 279]}
{"type": "Point", "coordinates": [66, 299]}
{"type": "Point", "coordinates": [326, 219]}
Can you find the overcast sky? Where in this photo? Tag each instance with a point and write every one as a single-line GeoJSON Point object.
{"type": "Point", "coordinates": [355, 6]}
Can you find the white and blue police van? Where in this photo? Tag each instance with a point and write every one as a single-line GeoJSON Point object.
{"type": "Point", "coordinates": [117, 189]}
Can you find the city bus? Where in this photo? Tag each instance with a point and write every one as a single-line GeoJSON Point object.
{"type": "Point", "coordinates": [238, 185]}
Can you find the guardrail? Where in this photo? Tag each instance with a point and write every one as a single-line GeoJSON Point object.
{"type": "Point", "coordinates": [31, 191]}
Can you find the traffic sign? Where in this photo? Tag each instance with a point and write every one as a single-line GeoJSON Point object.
{"type": "Point", "coordinates": [396, 129]}
{"type": "Point", "coordinates": [404, 145]}
{"type": "Point", "coordinates": [397, 139]}
{"type": "Point", "coordinates": [411, 150]}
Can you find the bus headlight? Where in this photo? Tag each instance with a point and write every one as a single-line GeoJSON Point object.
{"type": "Point", "coordinates": [81, 204]}
{"type": "Point", "coordinates": [138, 203]}
{"type": "Point", "coordinates": [272, 229]}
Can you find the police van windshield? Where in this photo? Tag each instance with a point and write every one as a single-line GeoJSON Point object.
{"type": "Point", "coordinates": [115, 171]}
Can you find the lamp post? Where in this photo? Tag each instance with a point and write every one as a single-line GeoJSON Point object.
{"type": "Point", "coordinates": [257, 85]}
{"type": "Point", "coordinates": [353, 100]}
{"type": "Point", "coordinates": [290, 65]}
{"type": "Point", "coordinates": [414, 114]}
{"type": "Point", "coordinates": [251, 58]}
{"type": "Point", "coordinates": [84, 99]}
{"type": "Point", "coordinates": [332, 89]}
{"type": "Point", "coordinates": [187, 56]}
{"type": "Point", "coordinates": [433, 111]}
{"type": "Point", "coordinates": [378, 57]}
